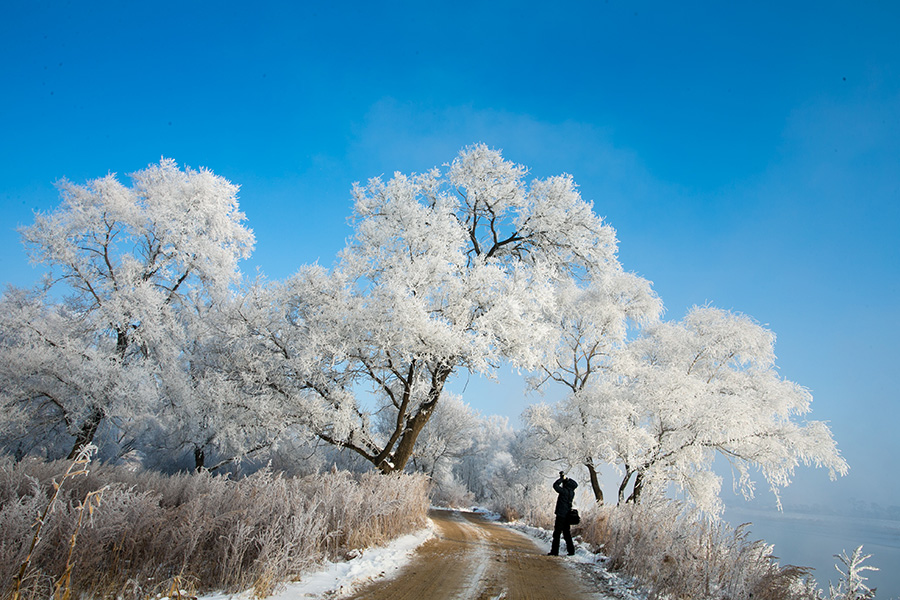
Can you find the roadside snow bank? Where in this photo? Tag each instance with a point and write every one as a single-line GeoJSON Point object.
{"type": "Point", "coordinates": [543, 539]}
{"type": "Point", "coordinates": [591, 564]}
{"type": "Point", "coordinates": [339, 579]}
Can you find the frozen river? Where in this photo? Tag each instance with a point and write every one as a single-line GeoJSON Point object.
{"type": "Point", "coordinates": [811, 541]}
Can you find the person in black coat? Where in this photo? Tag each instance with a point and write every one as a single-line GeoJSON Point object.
{"type": "Point", "coordinates": [565, 487]}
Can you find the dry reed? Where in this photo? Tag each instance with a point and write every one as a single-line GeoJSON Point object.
{"type": "Point", "coordinates": [195, 532]}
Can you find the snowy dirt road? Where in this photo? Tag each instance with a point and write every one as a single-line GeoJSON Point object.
{"type": "Point", "coordinates": [471, 558]}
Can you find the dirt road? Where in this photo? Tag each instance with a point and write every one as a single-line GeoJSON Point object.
{"type": "Point", "coordinates": [470, 558]}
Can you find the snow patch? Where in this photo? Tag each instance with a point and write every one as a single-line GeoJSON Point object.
{"type": "Point", "coordinates": [485, 513]}
{"type": "Point", "coordinates": [482, 512]}
{"type": "Point", "coordinates": [339, 579]}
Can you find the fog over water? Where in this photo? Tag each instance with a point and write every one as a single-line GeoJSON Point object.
{"type": "Point", "coordinates": [812, 540]}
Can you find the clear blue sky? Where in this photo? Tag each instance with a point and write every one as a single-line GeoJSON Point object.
{"type": "Point", "coordinates": [747, 153]}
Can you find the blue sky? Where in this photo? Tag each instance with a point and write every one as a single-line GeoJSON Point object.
{"type": "Point", "coordinates": [746, 153]}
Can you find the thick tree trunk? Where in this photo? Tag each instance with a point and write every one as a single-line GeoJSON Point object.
{"type": "Point", "coordinates": [635, 496]}
{"type": "Point", "coordinates": [121, 342]}
{"type": "Point", "coordinates": [399, 458]}
{"type": "Point", "coordinates": [87, 431]}
{"type": "Point", "coordinates": [415, 424]}
{"type": "Point", "coordinates": [595, 482]}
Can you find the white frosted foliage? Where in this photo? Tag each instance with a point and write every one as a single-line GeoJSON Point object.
{"type": "Point", "coordinates": [445, 270]}
{"type": "Point", "coordinates": [681, 393]}
{"type": "Point", "coordinates": [135, 268]}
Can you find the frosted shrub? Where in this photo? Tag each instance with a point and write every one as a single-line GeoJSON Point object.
{"type": "Point", "coordinates": [675, 553]}
{"type": "Point", "coordinates": [532, 504]}
{"type": "Point", "coordinates": [196, 531]}
{"type": "Point", "coordinates": [852, 584]}
{"type": "Point", "coordinates": [453, 493]}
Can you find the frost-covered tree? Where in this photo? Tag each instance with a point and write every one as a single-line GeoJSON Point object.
{"type": "Point", "coordinates": [54, 371]}
{"type": "Point", "coordinates": [450, 435]}
{"type": "Point", "coordinates": [207, 410]}
{"type": "Point", "coordinates": [458, 449]}
{"type": "Point", "coordinates": [462, 450]}
{"type": "Point", "coordinates": [591, 322]}
{"type": "Point", "coordinates": [446, 270]}
{"type": "Point", "coordinates": [128, 263]}
{"type": "Point", "coordinates": [519, 482]}
{"type": "Point", "coordinates": [683, 392]}
{"type": "Point", "coordinates": [489, 452]}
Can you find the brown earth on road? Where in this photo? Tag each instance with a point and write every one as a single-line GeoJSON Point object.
{"type": "Point", "coordinates": [471, 558]}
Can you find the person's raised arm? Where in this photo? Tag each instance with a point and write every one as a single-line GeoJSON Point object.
{"type": "Point", "coordinates": [558, 484]}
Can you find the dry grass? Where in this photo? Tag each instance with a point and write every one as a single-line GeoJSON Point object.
{"type": "Point", "coordinates": [75, 468]}
{"type": "Point", "coordinates": [676, 554]}
{"type": "Point", "coordinates": [157, 534]}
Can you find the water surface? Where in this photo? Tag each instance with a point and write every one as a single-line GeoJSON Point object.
{"type": "Point", "coordinates": [811, 540]}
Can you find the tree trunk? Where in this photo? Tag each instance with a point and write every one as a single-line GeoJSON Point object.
{"type": "Point", "coordinates": [624, 484]}
{"type": "Point", "coordinates": [398, 458]}
{"type": "Point", "coordinates": [121, 342]}
{"type": "Point", "coordinates": [87, 431]}
{"type": "Point", "coordinates": [414, 426]}
{"type": "Point", "coordinates": [199, 459]}
{"type": "Point", "coordinates": [635, 496]}
{"type": "Point", "coordinates": [595, 481]}
{"type": "Point", "coordinates": [89, 427]}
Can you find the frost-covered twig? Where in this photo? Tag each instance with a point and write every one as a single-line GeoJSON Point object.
{"type": "Point", "coordinates": [78, 467]}
{"type": "Point", "coordinates": [852, 583]}
{"type": "Point", "coordinates": [62, 590]}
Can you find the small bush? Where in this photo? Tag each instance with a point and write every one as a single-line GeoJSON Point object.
{"type": "Point", "coordinates": [154, 533]}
